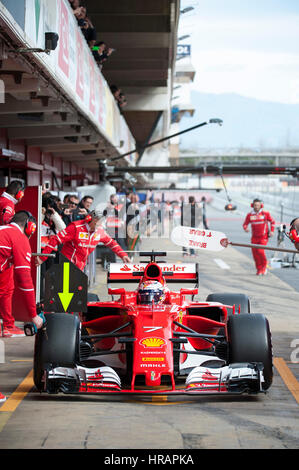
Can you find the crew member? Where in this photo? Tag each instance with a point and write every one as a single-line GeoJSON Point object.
{"type": "Point", "coordinates": [15, 263]}
{"type": "Point", "coordinates": [294, 232]}
{"type": "Point", "coordinates": [79, 240]}
{"type": "Point", "coordinates": [260, 233]}
{"type": "Point", "coordinates": [9, 198]}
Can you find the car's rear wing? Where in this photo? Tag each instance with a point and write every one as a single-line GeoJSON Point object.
{"type": "Point", "coordinates": [173, 272]}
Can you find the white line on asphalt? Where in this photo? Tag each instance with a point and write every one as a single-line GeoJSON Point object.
{"type": "Point", "coordinates": [221, 263]}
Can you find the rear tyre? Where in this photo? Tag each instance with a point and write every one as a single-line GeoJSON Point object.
{"type": "Point", "coordinates": [241, 302]}
{"type": "Point", "coordinates": [230, 298]}
{"type": "Point", "coordinates": [249, 340]}
{"type": "Point", "coordinates": [92, 297]}
{"type": "Point", "coordinates": [59, 346]}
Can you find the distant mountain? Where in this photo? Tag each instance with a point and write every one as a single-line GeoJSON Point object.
{"type": "Point", "coordinates": [246, 123]}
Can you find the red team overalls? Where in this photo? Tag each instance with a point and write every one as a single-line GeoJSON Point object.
{"type": "Point", "coordinates": [79, 242]}
{"type": "Point", "coordinates": [15, 263]}
{"type": "Point", "coordinates": [259, 236]}
{"type": "Point", "coordinates": [7, 208]}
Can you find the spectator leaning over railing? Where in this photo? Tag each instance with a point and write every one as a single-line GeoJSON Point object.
{"type": "Point", "coordinates": [101, 52]}
{"type": "Point", "coordinates": [118, 96]}
{"type": "Point", "coordinates": [84, 22]}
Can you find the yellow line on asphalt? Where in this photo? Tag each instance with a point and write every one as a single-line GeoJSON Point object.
{"type": "Point", "coordinates": [21, 360]}
{"type": "Point", "coordinates": [287, 376]}
{"type": "Point", "coordinates": [11, 404]}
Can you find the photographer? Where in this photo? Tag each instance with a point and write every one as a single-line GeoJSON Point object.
{"type": "Point", "coordinates": [83, 208]}
{"type": "Point", "coordinates": [89, 32]}
{"type": "Point", "coordinates": [51, 224]}
{"type": "Point", "coordinates": [101, 52]}
{"type": "Point", "coordinates": [51, 219]}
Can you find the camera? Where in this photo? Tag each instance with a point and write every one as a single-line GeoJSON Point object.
{"type": "Point", "coordinates": [50, 203]}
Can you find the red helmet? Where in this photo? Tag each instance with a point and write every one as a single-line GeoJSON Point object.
{"type": "Point", "coordinates": [150, 291]}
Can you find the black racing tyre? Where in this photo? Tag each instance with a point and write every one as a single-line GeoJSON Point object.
{"type": "Point", "coordinates": [230, 298]}
{"type": "Point", "coordinates": [59, 346]}
{"type": "Point", "coordinates": [249, 340]}
{"type": "Point", "coordinates": [92, 297]}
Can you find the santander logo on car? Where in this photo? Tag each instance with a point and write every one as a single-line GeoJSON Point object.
{"type": "Point", "coordinates": [165, 268]}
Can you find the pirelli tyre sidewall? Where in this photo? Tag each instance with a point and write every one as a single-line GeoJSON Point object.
{"type": "Point", "coordinates": [58, 347]}
{"type": "Point", "coordinates": [249, 340]}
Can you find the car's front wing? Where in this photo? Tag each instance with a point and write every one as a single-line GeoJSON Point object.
{"type": "Point", "coordinates": [232, 379]}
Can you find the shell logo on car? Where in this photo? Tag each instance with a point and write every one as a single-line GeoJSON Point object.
{"type": "Point", "coordinates": [152, 342]}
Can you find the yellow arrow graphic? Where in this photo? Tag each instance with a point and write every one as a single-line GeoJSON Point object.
{"type": "Point", "coordinates": [66, 296]}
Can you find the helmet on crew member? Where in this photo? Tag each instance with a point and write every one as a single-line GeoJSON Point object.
{"type": "Point", "coordinates": [150, 291]}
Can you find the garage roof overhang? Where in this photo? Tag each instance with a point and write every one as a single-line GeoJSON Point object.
{"type": "Point", "coordinates": [144, 35]}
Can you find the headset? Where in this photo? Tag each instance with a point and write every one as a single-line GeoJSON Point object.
{"type": "Point", "coordinates": [30, 226]}
{"type": "Point", "coordinates": [88, 218]}
{"type": "Point", "coordinates": [257, 200]}
{"type": "Point", "coordinates": [20, 194]}
{"type": "Point", "coordinates": [92, 215]}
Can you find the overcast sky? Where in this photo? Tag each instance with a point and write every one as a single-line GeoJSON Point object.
{"type": "Point", "coordinates": [248, 47]}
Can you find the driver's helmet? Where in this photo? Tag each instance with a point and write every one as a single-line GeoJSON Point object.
{"type": "Point", "coordinates": [150, 291]}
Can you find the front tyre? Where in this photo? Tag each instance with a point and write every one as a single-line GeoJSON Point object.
{"type": "Point", "coordinates": [59, 346]}
{"type": "Point", "coordinates": [249, 340]}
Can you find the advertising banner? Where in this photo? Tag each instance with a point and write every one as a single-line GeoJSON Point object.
{"type": "Point", "coordinates": [71, 65]}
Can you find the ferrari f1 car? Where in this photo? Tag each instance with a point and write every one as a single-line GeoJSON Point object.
{"type": "Point", "coordinates": [153, 340]}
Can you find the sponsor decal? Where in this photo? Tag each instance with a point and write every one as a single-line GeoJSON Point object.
{"type": "Point", "coordinates": [224, 242]}
{"type": "Point", "coordinates": [151, 366]}
{"type": "Point", "coordinates": [200, 233]}
{"type": "Point", "coordinates": [153, 359]}
{"type": "Point", "coordinates": [83, 236]}
{"type": "Point", "coordinates": [152, 352]}
{"type": "Point", "coordinates": [181, 316]}
{"type": "Point", "coordinates": [97, 376]}
{"type": "Point", "coordinates": [152, 342]}
{"type": "Point", "coordinates": [125, 268]}
{"type": "Point", "coordinates": [150, 329]}
{"type": "Point", "coordinates": [139, 267]}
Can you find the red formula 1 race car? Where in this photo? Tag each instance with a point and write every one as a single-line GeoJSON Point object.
{"type": "Point", "coordinates": [156, 341]}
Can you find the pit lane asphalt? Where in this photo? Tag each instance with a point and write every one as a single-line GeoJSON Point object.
{"type": "Point", "coordinates": [257, 422]}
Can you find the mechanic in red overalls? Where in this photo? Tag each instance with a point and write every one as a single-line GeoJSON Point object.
{"type": "Point", "coordinates": [80, 238]}
{"type": "Point", "coordinates": [8, 199]}
{"type": "Point", "coordinates": [294, 232]}
{"type": "Point", "coordinates": [15, 271]}
{"type": "Point", "coordinates": [260, 233]}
